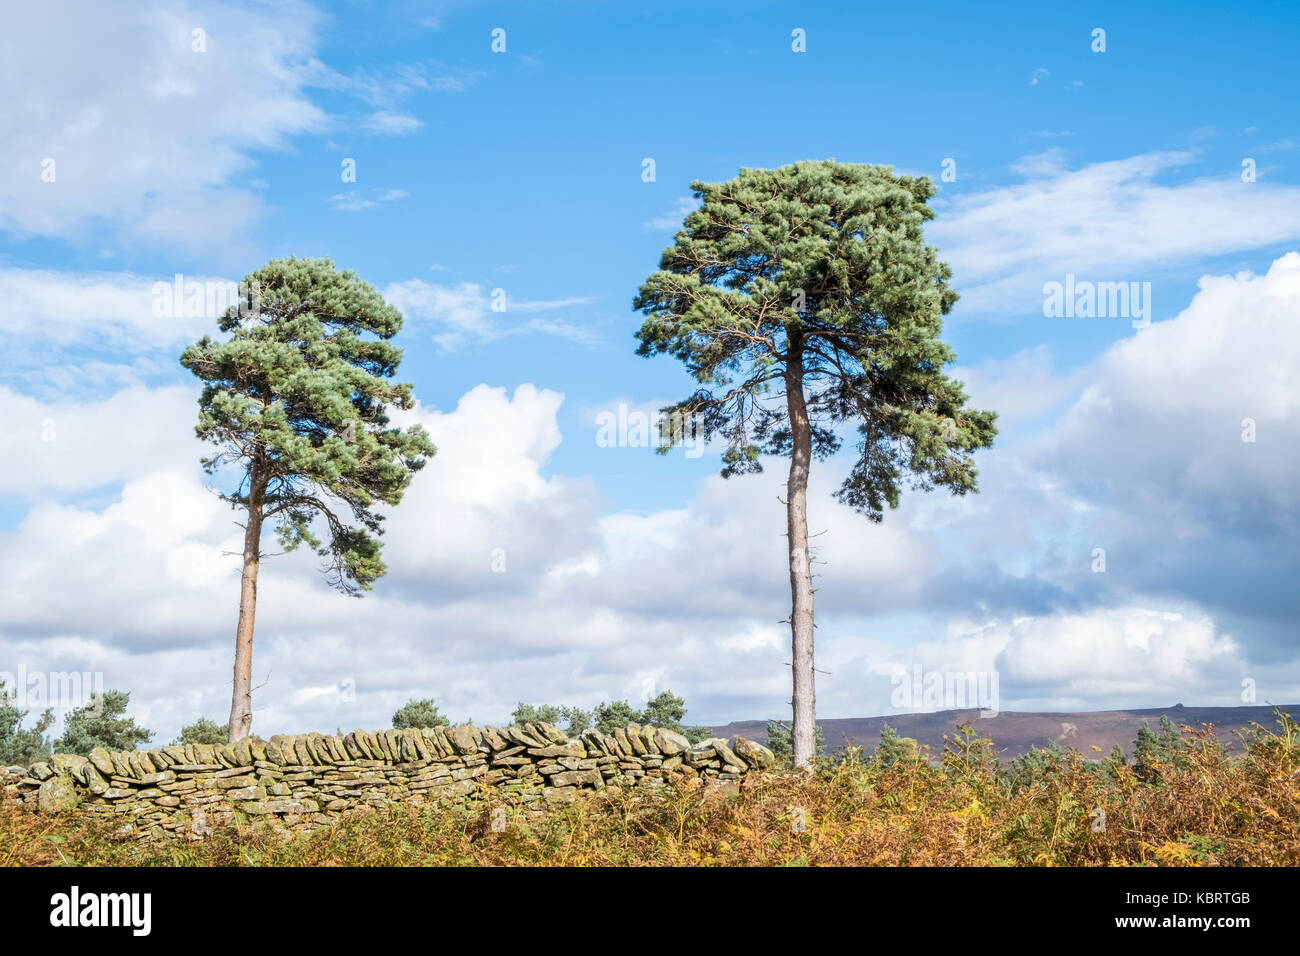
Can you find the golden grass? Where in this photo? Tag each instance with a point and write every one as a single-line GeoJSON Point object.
{"type": "Point", "coordinates": [1202, 807]}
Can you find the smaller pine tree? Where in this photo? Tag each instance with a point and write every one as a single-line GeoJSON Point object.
{"type": "Point", "coordinates": [578, 720]}
{"type": "Point", "coordinates": [664, 710]}
{"type": "Point", "coordinates": [202, 731]}
{"type": "Point", "coordinates": [1171, 741]}
{"type": "Point", "coordinates": [894, 749]}
{"type": "Point", "coordinates": [101, 723]}
{"type": "Point", "coordinates": [1147, 754]}
{"type": "Point", "coordinates": [419, 713]}
{"type": "Point", "coordinates": [575, 718]}
{"type": "Point", "coordinates": [1034, 766]}
{"type": "Point", "coordinates": [667, 710]}
{"type": "Point", "coordinates": [19, 746]}
{"type": "Point", "coordinates": [780, 741]}
{"type": "Point", "coordinates": [618, 713]}
{"type": "Point", "coordinates": [535, 714]}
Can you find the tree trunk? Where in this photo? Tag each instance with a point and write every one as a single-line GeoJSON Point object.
{"type": "Point", "coordinates": [241, 701]}
{"type": "Point", "coordinates": [804, 734]}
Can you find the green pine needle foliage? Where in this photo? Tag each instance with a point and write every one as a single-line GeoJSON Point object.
{"type": "Point", "coordinates": [298, 396]}
{"type": "Point", "coordinates": [823, 265]}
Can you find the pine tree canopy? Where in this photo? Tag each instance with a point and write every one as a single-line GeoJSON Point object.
{"type": "Point", "coordinates": [297, 398]}
{"type": "Point", "coordinates": [419, 713]}
{"type": "Point", "coordinates": [101, 723]}
{"type": "Point", "coordinates": [821, 268]}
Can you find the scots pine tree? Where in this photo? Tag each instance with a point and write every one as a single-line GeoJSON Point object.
{"type": "Point", "coordinates": [1147, 754]}
{"type": "Point", "coordinates": [779, 739]}
{"type": "Point", "coordinates": [536, 713]}
{"type": "Point", "coordinates": [296, 401]}
{"type": "Point", "coordinates": [576, 718]}
{"type": "Point", "coordinates": [894, 749]}
{"type": "Point", "coordinates": [202, 731]}
{"type": "Point", "coordinates": [419, 713]}
{"type": "Point", "coordinates": [618, 713]}
{"type": "Point", "coordinates": [22, 747]}
{"type": "Point", "coordinates": [101, 723]}
{"type": "Point", "coordinates": [803, 299]}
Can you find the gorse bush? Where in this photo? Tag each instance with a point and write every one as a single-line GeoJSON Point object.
{"type": "Point", "coordinates": [1206, 805]}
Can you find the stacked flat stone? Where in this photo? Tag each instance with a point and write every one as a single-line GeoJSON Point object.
{"type": "Point", "coordinates": [299, 782]}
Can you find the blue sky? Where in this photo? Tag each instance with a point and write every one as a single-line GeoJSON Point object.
{"type": "Point", "coordinates": [522, 171]}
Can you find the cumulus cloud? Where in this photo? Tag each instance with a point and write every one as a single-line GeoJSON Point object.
{"type": "Point", "coordinates": [1116, 655]}
{"type": "Point", "coordinates": [69, 445]}
{"type": "Point", "coordinates": [505, 583]}
{"type": "Point", "coordinates": [510, 582]}
{"type": "Point", "coordinates": [1177, 400]}
{"type": "Point", "coordinates": [114, 309]}
{"type": "Point", "coordinates": [1094, 660]}
{"type": "Point", "coordinates": [147, 134]}
{"type": "Point", "coordinates": [1184, 446]}
{"type": "Point", "coordinates": [1150, 458]}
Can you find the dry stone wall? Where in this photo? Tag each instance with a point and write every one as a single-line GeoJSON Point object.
{"type": "Point", "coordinates": [303, 781]}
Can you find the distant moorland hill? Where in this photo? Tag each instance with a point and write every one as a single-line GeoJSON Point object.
{"type": "Point", "coordinates": [1015, 733]}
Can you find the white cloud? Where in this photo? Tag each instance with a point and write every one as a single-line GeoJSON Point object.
{"type": "Point", "coordinates": [463, 313]}
{"type": "Point", "coordinates": [76, 446]}
{"type": "Point", "coordinates": [144, 572]}
{"type": "Point", "coordinates": [1163, 414]}
{"type": "Point", "coordinates": [359, 201]}
{"type": "Point", "coordinates": [1092, 660]}
{"type": "Point", "coordinates": [1147, 461]}
{"type": "Point", "coordinates": [1109, 221]}
{"type": "Point", "coordinates": [1022, 388]}
{"type": "Point", "coordinates": [105, 308]}
{"type": "Point", "coordinates": [147, 135]}
{"type": "Point", "coordinates": [392, 122]}
{"type": "Point", "coordinates": [672, 219]}
{"type": "Point", "coordinates": [482, 494]}
{"type": "Point", "coordinates": [588, 606]}
{"type": "Point", "coordinates": [459, 313]}
{"type": "Point", "coordinates": [386, 89]}
{"type": "Point", "coordinates": [1119, 655]}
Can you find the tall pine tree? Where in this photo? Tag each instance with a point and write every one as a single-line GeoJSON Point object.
{"type": "Point", "coordinates": [800, 299]}
{"type": "Point", "coordinates": [295, 399]}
